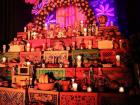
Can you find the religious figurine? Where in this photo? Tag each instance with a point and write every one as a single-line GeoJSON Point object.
{"type": "Point", "coordinates": [14, 42]}
{"type": "Point", "coordinates": [102, 20]}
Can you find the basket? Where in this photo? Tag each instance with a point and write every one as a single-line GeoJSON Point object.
{"type": "Point", "coordinates": [46, 86]}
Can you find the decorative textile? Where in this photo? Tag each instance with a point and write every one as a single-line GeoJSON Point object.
{"type": "Point", "coordinates": [11, 97]}
{"type": "Point", "coordinates": [59, 73]}
{"type": "Point", "coordinates": [48, 98]}
{"type": "Point", "coordinates": [78, 98]}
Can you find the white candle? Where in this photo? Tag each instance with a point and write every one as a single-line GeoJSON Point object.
{"type": "Point", "coordinates": [79, 57]}
{"type": "Point", "coordinates": [118, 57]}
{"type": "Point", "coordinates": [79, 62]}
{"type": "Point", "coordinates": [25, 29]}
{"type": "Point", "coordinates": [118, 60]}
{"type": "Point", "coordinates": [85, 31]}
{"type": "Point", "coordinates": [4, 59]}
{"type": "Point", "coordinates": [121, 89]}
{"type": "Point", "coordinates": [4, 48]}
{"type": "Point", "coordinates": [72, 80]}
{"type": "Point", "coordinates": [34, 35]}
{"type": "Point", "coordinates": [89, 89]}
{"type": "Point", "coordinates": [74, 86]}
{"type": "Point", "coordinates": [28, 63]}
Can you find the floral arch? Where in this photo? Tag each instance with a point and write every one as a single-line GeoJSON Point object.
{"type": "Point", "coordinates": [83, 6]}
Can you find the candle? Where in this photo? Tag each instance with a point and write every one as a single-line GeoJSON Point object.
{"type": "Point", "coordinates": [85, 31]}
{"type": "Point", "coordinates": [79, 57]}
{"type": "Point", "coordinates": [118, 60]}
{"type": "Point", "coordinates": [120, 42]}
{"type": "Point", "coordinates": [28, 44]}
{"type": "Point", "coordinates": [96, 30]}
{"type": "Point", "coordinates": [4, 48]}
{"type": "Point", "coordinates": [81, 23]}
{"type": "Point", "coordinates": [89, 89]}
{"type": "Point", "coordinates": [4, 59]}
{"type": "Point", "coordinates": [28, 63]}
{"type": "Point", "coordinates": [74, 86]}
{"type": "Point", "coordinates": [72, 80]}
{"type": "Point", "coordinates": [29, 35]}
{"type": "Point", "coordinates": [25, 29]}
{"type": "Point", "coordinates": [121, 89]}
{"type": "Point", "coordinates": [118, 57]}
{"type": "Point", "coordinates": [111, 23]}
{"type": "Point", "coordinates": [30, 81]}
{"type": "Point", "coordinates": [34, 35]}
{"type": "Point", "coordinates": [79, 61]}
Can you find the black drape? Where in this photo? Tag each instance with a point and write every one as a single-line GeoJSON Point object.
{"type": "Point", "coordinates": [14, 15]}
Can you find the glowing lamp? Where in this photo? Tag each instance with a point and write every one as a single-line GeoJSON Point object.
{"type": "Point", "coordinates": [28, 44]}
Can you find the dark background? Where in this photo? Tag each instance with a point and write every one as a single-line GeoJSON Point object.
{"type": "Point", "coordinates": [15, 14]}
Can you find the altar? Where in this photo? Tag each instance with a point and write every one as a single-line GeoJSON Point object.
{"type": "Point", "coordinates": [77, 62]}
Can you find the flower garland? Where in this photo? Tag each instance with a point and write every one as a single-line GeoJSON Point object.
{"type": "Point", "coordinates": [81, 4]}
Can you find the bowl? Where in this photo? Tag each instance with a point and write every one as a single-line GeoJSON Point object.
{"type": "Point", "coordinates": [45, 86]}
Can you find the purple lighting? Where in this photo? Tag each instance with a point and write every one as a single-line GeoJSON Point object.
{"type": "Point", "coordinates": [100, 7]}
{"type": "Point", "coordinates": [105, 10]}
{"type": "Point", "coordinates": [51, 19]}
{"type": "Point", "coordinates": [105, 7]}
